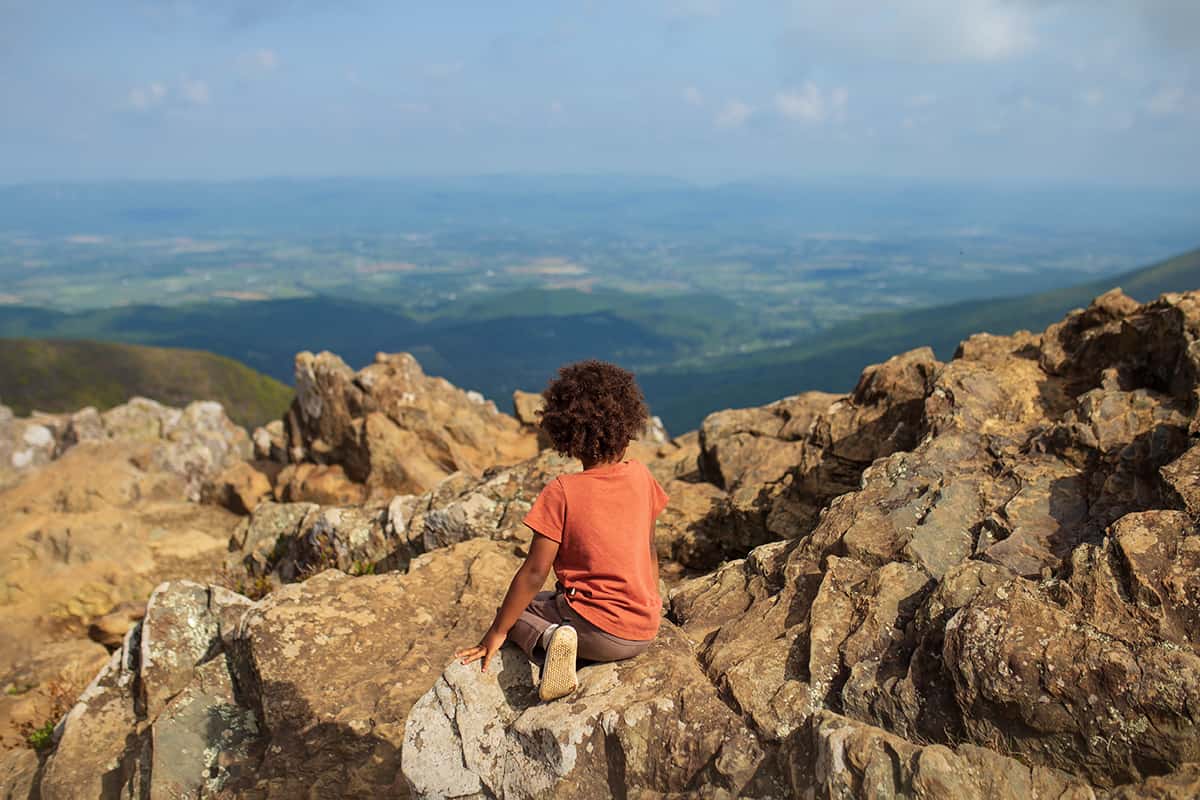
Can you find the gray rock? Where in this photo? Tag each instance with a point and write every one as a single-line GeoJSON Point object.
{"type": "Point", "coordinates": [652, 725]}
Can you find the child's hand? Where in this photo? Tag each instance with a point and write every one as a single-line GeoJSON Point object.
{"type": "Point", "coordinates": [486, 648]}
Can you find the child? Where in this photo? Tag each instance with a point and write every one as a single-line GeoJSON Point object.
{"type": "Point", "coordinates": [595, 527]}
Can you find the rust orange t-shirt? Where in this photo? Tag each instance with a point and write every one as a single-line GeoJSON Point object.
{"type": "Point", "coordinates": [603, 520]}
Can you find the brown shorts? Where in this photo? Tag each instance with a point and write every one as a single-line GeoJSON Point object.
{"type": "Point", "coordinates": [551, 608]}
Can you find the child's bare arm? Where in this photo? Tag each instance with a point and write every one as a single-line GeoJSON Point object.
{"type": "Point", "coordinates": [653, 553]}
{"type": "Point", "coordinates": [525, 584]}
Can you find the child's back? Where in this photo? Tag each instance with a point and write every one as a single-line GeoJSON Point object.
{"type": "Point", "coordinates": [603, 520]}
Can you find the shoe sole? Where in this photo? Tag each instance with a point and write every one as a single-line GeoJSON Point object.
{"type": "Point", "coordinates": [558, 673]}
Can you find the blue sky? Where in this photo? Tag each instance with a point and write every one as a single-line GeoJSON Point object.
{"type": "Point", "coordinates": [1104, 91]}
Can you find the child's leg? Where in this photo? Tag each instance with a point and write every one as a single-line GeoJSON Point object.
{"type": "Point", "coordinates": [596, 644]}
{"type": "Point", "coordinates": [541, 614]}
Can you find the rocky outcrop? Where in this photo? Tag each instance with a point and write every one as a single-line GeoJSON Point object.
{"type": "Point", "coordinates": [847, 759]}
{"type": "Point", "coordinates": [1018, 579]}
{"type": "Point", "coordinates": [783, 463]}
{"type": "Point", "coordinates": [194, 443]}
{"type": "Point", "coordinates": [304, 693]}
{"type": "Point", "coordinates": [288, 541]}
{"type": "Point", "coordinates": [392, 428]}
{"type": "Point", "coordinates": [651, 726]}
{"type": "Point", "coordinates": [99, 518]}
{"type": "Point", "coordinates": [162, 718]}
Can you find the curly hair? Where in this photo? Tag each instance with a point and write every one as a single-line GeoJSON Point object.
{"type": "Point", "coordinates": [593, 410]}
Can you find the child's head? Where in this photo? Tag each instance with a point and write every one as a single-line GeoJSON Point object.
{"type": "Point", "coordinates": [593, 410]}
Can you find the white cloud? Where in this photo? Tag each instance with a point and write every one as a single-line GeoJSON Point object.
{"type": "Point", "coordinates": [1092, 97]}
{"type": "Point", "coordinates": [693, 96]}
{"type": "Point", "coordinates": [734, 114]}
{"type": "Point", "coordinates": [143, 98]}
{"type": "Point", "coordinates": [921, 30]}
{"type": "Point", "coordinates": [1166, 101]}
{"type": "Point", "coordinates": [158, 94]}
{"type": "Point", "coordinates": [923, 100]}
{"type": "Point", "coordinates": [195, 92]}
{"type": "Point", "coordinates": [811, 105]}
{"type": "Point", "coordinates": [266, 59]}
{"type": "Point", "coordinates": [556, 108]}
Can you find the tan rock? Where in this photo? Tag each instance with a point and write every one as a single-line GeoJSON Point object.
{"type": "Point", "coordinates": [41, 688]}
{"type": "Point", "coordinates": [239, 487]}
{"type": "Point", "coordinates": [110, 629]}
{"type": "Point", "coordinates": [86, 533]}
{"type": "Point", "coordinates": [317, 483]}
{"type": "Point", "coordinates": [371, 646]}
{"type": "Point", "coordinates": [1183, 476]}
{"type": "Point", "coordinates": [1097, 707]}
{"type": "Point", "coordinates": [393, 428]}
{"type": "Point", "coordinates": [852, 760]}
{"type": "Point", "coordinates": [1181, 784]}
{"type": "Point", "coordinates": [527, 408]}
{"type": "Point", "coordinates": [18, 774]}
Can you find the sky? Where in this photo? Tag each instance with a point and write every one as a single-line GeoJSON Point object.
{"type": "Point", "coordinates": [1101, 92]}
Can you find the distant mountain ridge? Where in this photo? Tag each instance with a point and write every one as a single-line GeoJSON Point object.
{"type": "Point", "coordinates": [832, 360]}
{"type": "Point", "coordinates": [64, 375]}
{"type": "Point", "coordinates": [515, 341]}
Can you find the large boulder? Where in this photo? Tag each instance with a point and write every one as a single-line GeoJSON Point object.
{"type": "Point", "coordinates": [651, 726]}
{"type": "Point", "coordinates": [304, 693]}
{"type": "Point", "coordinates": [162, 718]}
{"type": "Point", "coordinates": [391, 427]}
{"type": "Point", "coordinates": [783, 463]}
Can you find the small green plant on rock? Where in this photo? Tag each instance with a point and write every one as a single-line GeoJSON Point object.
{"type": "Point", "coordinates": [40, 738]}
{"type": "Point", "coordinates": [62, 697]}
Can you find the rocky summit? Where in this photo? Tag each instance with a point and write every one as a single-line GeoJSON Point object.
{"type": "Point", "coordinates": [970, 579]}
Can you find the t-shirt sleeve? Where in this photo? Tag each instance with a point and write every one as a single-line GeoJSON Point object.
{"type": "Point", "coordinates": [549, 513]}
{"type": "Point", "coordinates": [658, 497]}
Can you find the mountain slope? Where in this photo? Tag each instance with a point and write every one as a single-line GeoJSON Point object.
{"type": "Point", "coordinates": [833, 360]}
{"type": "Point", "coordinates": [64, 375]}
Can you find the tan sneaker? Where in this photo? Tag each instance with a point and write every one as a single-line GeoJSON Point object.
{"type": "Point", "coordinates": [558, 671]}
